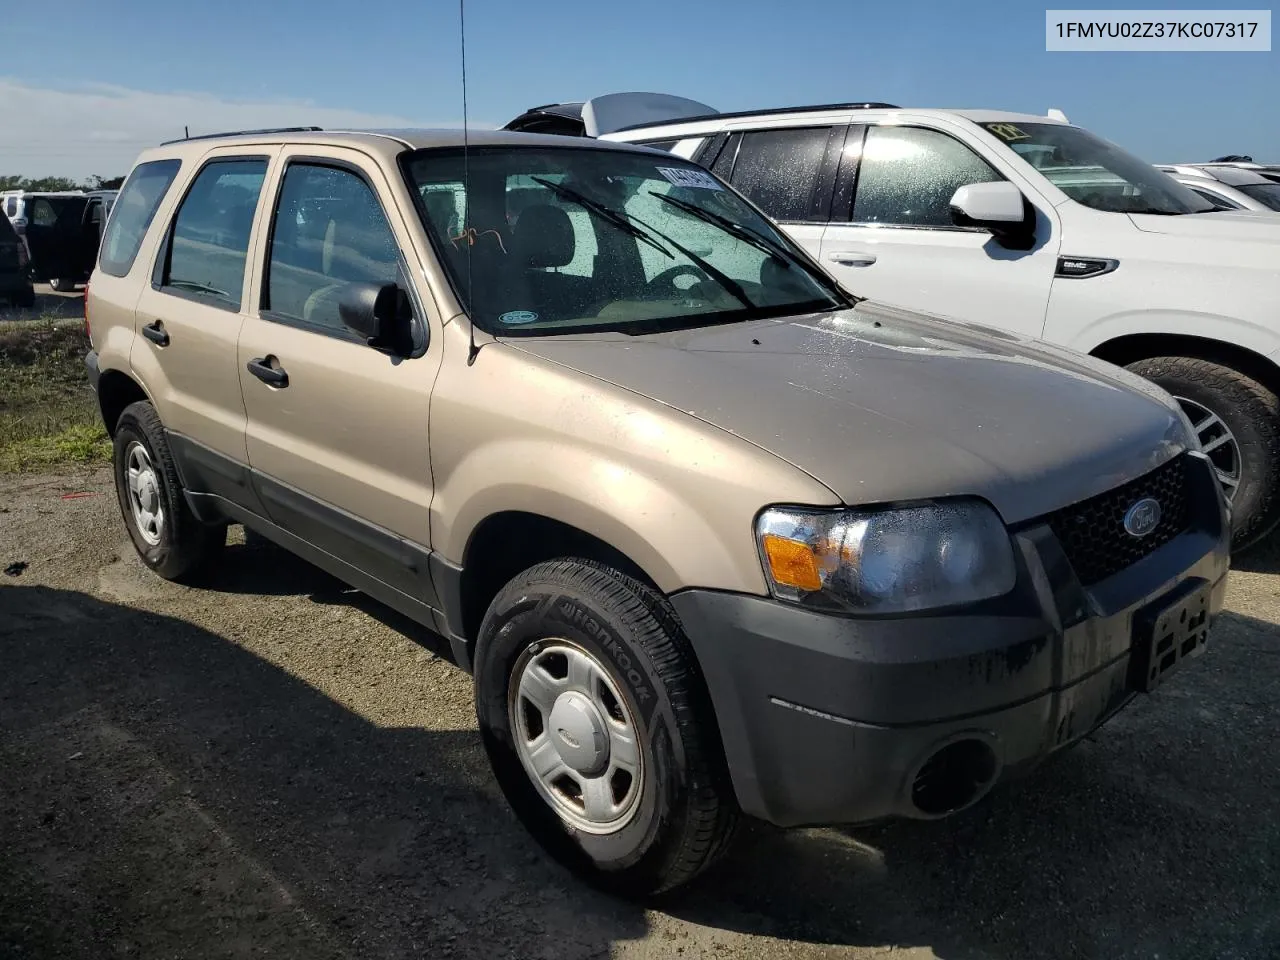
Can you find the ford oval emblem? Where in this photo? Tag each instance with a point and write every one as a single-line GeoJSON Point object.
{"type": "Point", "coordinates": [1143, 517]}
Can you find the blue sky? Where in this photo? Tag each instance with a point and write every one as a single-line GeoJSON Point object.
{"type": "Point", "coordinates": [90, 97]}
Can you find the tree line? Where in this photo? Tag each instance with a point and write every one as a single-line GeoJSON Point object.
{"type": "Point", "coordinates": [52, 184]}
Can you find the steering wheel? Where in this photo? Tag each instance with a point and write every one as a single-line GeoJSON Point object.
{"type": "Point", "coordinates": [669, 276]}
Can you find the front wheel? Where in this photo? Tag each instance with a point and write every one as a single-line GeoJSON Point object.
{"type": "Point", "coordinates": [166, 534]}
{"type": "Point", "coordinates": [599, 729]}
{"type": "Point", "coordinates": [1237, 421]}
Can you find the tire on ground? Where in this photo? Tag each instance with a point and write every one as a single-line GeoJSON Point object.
{"type": "Point", "coordinates": [186, 545]}
{"type": "Point", "coordinates": [1252, 413]}
{"type": "Point", "coordinates": [687, 812]}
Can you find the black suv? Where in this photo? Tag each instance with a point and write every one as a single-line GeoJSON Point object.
{"type": "Point", "coordinates": [15, 278]}
{"type": "Point", "coordinates": [63, 233]}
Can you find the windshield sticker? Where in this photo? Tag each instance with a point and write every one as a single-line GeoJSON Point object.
{"type": "Point", "coordinates": [1008, 132]}
{"type": "Point", "coordinates": [518, 316]}
{"type": "Point", "coordinates": [684, 177]}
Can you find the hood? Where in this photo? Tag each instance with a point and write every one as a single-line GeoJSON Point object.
{"type": "Point", "coordinates": [882, 405]}
{"type": "Point", "coordinates": [1248, 225]}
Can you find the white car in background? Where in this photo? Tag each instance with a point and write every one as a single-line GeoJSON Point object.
{"type": "Point", "coordinates": [1228, 187]}
{"type": "Point", "coordinates": [1020, 222]}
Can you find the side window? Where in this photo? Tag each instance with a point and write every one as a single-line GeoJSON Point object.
{"type": "Point", "coordinates": [779, 168]}
{"type": "Point", "coordinates": [329, 231]}
{"type": "Point", "coordinates": [42, 213]}
{"type": "Point", "coordinates": [11, 206]}
{"type": "Point", "coordinates": [666, 145]}
{"type": "Point", "coordinates": [1219, 203]}
{"type": "Point", "coordinates": [908, 176]}
{"type": "Point", "coordinates": [134, 210]}
{"type": "Point", "coordinates": [209, 241]}
{"type": "Point", "coordinates": [723, 164]}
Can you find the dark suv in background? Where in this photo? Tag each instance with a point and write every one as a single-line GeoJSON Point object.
{"type": "Point", "coordinates": [63, 231]}
{"type": "Point", "coordinates": [15, 277]}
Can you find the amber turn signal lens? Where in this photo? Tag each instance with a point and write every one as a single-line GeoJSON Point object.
{"type": "Point", "coordinates": [792, 564]}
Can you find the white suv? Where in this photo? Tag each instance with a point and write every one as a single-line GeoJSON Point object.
{"type": "Point", "coordinates": [1026, 223]}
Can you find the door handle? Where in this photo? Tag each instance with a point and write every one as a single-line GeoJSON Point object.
{"type": "Point", "coordinates": [271, 376]}
{"type": "Point", "coordinates": [155, 332]}
{"type": "Point", "coordinates": [851, 258]}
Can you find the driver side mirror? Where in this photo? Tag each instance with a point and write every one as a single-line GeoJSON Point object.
{"type": "Point", "coordinates": [379, 315]}
{"type": "Point", "coordinates": [999, 207]}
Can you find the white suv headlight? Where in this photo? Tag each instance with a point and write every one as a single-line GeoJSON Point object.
{"type": "Point", "coordinates": [886, 561]}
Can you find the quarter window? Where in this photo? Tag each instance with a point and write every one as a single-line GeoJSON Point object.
{"type": "Point", "coordinates": [329, 232]}
{"type": "Point", "coordinates": [134, 210]}
{"type": "Point", "coordinates": [210, 238]}
{"type": "Point", "coordinates": [908, 176]}
{"type": "Point", "coordinates": [779, 168]}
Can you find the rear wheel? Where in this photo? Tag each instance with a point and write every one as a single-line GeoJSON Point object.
{"type": "Point", "coordinates": [599, 730]}
{"type": "Point", "coordinates": [62, 285]}
{"type": "Point", "coordinates": [166, 534]}
{"type": "Point", "coordinates": [1237, 421]}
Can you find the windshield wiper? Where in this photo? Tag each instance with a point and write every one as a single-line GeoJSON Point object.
{"type": "Point", "coordinates": [737, 230]}
{"type": "Point", "coordinates": [751, 237]}
{"type": "Point", "coordinates": [604, 213]}
{"type": "Point", "coordinates": [630, 223]}
{"type": "Point", "coordinates": [197, 287]}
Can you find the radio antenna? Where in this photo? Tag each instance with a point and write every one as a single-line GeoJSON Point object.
{"type": "Point", "coordinates": [472, 349]}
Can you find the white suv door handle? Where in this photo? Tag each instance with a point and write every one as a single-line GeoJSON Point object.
{"type": "Point", "coordinates": [852, 258]}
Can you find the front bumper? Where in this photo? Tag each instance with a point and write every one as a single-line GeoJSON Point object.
{"type": "Point", "coordinates": [829, 719]}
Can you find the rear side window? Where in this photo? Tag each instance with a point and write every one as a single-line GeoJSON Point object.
{"type": "Point", "coordinates": [667, 145]}
{"type": "Point", "coordinates": [135, 209]}
{"type": "Point", "coordinates": [329, 231]}
{"type": "Point", "coordinates": [778, 169]}
{"type": "Point", "coordinates": [42, 213]}
{"type": "Point", "coordinates": [908, 176]}
{"type": "Point", "coordinates": [209, 242]}
{"type": "Point", "coordinates": [1219, 203]}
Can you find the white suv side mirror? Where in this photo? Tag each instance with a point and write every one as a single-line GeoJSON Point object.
{"type": "Point", "coordinates": [999, 207]}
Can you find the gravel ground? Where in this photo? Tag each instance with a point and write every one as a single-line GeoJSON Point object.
{"type": "Point", "coordinates": [276, 766]}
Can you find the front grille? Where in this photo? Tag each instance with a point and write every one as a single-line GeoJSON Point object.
{"type": "Point", "coordinates": [1092, 532]}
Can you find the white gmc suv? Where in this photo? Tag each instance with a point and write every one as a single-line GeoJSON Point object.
{"type": "Point", "coordinates": [1025, 223]}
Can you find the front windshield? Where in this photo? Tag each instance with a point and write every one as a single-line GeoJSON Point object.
{"type": "Point", "coordinates": [552, 240]}
{"type": "Point", "coordinates": [1267, 194]}
{"type": "Point", "coordinates": [1096, 173]}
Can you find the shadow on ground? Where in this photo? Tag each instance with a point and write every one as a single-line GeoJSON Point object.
{"type": "Point", "coordinates": [48, 304]}
{"type": "Point", "coordinates": [168, 793]}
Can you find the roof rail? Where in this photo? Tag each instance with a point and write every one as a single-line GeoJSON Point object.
{"type": "Point", "coordinates": [243, 133]}
{"type": "Point", "coordinates": [808, 108]}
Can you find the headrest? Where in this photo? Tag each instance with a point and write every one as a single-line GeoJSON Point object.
{"type": "Point", "coordinates": [543, 237]}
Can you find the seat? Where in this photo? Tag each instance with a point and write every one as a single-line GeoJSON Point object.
{"type": "Point", "coordinates": [543, 240]}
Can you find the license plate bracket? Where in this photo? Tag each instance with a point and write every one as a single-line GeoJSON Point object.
{"type": "Point", "coordinates": [1168, 632]}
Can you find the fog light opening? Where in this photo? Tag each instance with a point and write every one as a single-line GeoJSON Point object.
{"type": "Point", "coordinates": [956, 776]}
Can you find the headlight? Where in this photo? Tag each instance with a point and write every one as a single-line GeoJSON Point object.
{"type": "Point", "coordinates": [886, 561]}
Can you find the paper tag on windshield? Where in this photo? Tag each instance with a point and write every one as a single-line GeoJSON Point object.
{"type": "Point", "coordinates": [685, 177]}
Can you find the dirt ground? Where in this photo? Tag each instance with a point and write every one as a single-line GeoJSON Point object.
{"type": "Point", "coordinates": [275, 766]}
{"type": "Point", "coordinates": [49, 304]}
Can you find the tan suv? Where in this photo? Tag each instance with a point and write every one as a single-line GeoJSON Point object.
{"type": "Point", "coordinates": [715, 536]}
